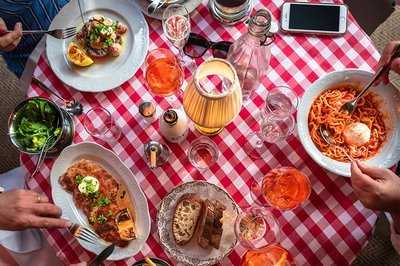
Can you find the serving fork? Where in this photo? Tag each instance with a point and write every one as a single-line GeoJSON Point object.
{"type": "Point", "coordinates": [57, 33]}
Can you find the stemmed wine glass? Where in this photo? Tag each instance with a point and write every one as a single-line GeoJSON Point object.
{"type": "Point", "coordinates": [277, 121]}
{"type": "Point", "coordinates": [176, 26]}
{"type": "Point", "coordinates": [163, 74]}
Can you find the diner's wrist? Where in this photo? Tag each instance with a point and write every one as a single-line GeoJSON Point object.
{"type": "Point", "coordinates": [396, 221]}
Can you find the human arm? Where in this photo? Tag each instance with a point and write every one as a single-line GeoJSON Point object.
{"type": "Point", "coordinates": [395, 231]}
{"type": "Point", "coordinates": [9, 41]}
{"type": "Point", "coordinates": [21, 209]}
{"type": "Point", "coordinates": [394, 65]}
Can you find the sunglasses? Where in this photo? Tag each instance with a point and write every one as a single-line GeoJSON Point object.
{"type": "Point", "coordinates": [197, 46]}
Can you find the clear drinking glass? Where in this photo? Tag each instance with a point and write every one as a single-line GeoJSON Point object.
{"type": "Point", "coordinates": [203, 153]}
{"type": "Point", "coordinates": [256, 227]}
{"type": "Point", "coordinates": [176, 26]}
{"type": "Point", "coordinates": [99, 123]}
{"type": "Point", "coordinates": [277, 121]}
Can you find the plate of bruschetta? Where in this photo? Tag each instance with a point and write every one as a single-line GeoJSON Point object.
{"type": "Point", "coordinates": [196, 223]}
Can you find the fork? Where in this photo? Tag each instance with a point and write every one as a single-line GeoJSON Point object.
{"type": "Point", "coordinates": [351, 105]}
{"type": "Point", "coordinates": [86, 234]}
{"type": "Point", "coordinates": [57, 33]}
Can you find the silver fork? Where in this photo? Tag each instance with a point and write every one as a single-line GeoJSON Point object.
{"type": "Point", "coordinates": [85, 234]}
{"type": "Point", "coordinates": [57, 33]}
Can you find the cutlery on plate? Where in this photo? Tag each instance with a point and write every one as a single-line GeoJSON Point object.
{"type": "Point", "coordinates": [154, 5]}
{"type": "Point", "coordinates": [71, 106]}
{"type": "Point", "coordinates": [351, 105]}
{"type": "Point", "coordinates": [102, 256]}
{"type": "Point", "coordinates": [327, 137]}
{"type": "Point", "coordinates": [86, 234]}
{"type": "Point", "coordinates": [58, 33]}
{"type": "Point", "coordinates": [81, 11]}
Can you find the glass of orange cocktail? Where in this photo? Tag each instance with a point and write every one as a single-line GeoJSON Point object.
{"type": "Point", "coordinates": [163, 74]}
{"type": "Point", "coordinates": [271, 255]}
{"type": "Point", "coordinates": [284, 188]}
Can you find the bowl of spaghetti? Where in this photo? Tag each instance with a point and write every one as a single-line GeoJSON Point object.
{"type": "Point", "coordinates": [371, 133]}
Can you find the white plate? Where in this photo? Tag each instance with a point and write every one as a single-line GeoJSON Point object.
{"type": "Point", "coordinates": [389, 96]}
{"type": "Point", "coordinates": [189, 4]}
{"type": "Point", "coordinates": [111, 163]}
{"type": "Point", "coordinates": [191, 253]}
{"type": "Point", "coordinates": [110, 72]}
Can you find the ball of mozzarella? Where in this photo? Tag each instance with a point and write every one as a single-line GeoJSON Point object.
{"type": "Point", "coordinates": [357, 134]}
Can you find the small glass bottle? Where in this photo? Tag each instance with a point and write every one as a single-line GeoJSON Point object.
{"type": "Point", "coordinates": [174, 125]}
{"type": "Point", "coordinates": [251, 53]}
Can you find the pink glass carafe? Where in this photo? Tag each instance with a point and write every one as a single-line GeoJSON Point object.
{"type": "Point", "coordinates": [251, 53]}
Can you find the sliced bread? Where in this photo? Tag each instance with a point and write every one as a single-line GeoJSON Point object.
{"type": "Point", "coordinates": [186, 216]}
{"type": "Point", "coordinates": [210, 226]}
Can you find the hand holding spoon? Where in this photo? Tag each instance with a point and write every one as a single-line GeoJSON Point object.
{"type": "Point", "coordinates": [351, 105]}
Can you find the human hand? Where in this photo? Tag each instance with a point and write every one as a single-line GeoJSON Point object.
{"type": "Point", "coordinates": [376, 188]}
{"type": "Point", "coordinates": [394, 65]}
{"type": "Point", "coordinates": [21, 209]}
{"type": "Point", "coordinates": [9, 41]}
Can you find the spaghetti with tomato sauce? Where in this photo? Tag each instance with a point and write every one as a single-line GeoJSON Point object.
{"type": "Point", "coordinates": [325, 111]}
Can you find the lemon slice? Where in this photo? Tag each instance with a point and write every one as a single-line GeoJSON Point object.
{"type": "Point", "coordinates": [282, 260]}
{"type": "Point", "coordinates": [149, 262]}
{"type": "Point", "coordinates": [77, 56]}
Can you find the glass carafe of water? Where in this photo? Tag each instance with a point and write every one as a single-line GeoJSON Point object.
{"type": "Point", "coordinates": [251, 53]}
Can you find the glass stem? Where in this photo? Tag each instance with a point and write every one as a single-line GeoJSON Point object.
{"type": "Point", "coordinates": [181, 54]}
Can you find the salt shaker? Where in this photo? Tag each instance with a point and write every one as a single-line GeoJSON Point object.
{"type": "Point", "coordinates": [174, 125]}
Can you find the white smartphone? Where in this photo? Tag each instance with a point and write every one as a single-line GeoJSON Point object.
{"type": "Point", "coordinates": [314, 18]}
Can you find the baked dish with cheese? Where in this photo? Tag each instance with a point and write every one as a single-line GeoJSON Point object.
{"type": "Point", "coordinates": [104, 201]}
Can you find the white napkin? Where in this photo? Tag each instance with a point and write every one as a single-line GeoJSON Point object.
{"type": "Point", "coordinates": [18, 241]}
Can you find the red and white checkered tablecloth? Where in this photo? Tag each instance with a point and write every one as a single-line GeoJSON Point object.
{"type": "Point", "coordinates": [329, 229]}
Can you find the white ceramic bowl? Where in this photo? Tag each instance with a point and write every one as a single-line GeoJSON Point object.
{"type": "Point", "coordinates": [388, 155]}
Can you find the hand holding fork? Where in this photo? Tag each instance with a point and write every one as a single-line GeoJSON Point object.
{"type": "Point", "coordinates": [9, 39]}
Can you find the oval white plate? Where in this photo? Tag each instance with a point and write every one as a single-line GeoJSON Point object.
{"type": "Point", "coordinates": [110, 162]}
{"type": "Point", "coordinates": [388, 155]}
{"type": "Point", "coordinates": [191, 253]}
{"type": "Point", "coordinates": [110, 72]}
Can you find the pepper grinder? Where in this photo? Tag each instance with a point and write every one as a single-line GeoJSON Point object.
{"type": "Point", "coordinates": [156, 154]}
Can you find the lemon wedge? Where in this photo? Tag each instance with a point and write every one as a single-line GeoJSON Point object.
{"type": "Point", "coordinates": [77, 56]}
{"type": "Point", "coordinates": [149, 262]}
{"type": "Point", "coordinates": [282, 260]}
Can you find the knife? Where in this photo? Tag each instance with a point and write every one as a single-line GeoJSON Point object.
{"type": "Point", "coordinates": [102, 256]}
{"type": "Point", "coordinates": [81, 11]}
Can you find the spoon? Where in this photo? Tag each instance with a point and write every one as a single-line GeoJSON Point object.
{"type": "Point", "coordinates": [351, 105]}
{"type": "Point", "coordinates": [327, 137]}
{"type": "Point", "coordinates": [71, 106]}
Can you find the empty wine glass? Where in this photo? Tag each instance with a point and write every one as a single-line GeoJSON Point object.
{"type": "Point", "coordinates": [99, 123]}
{"type": "Point", "coordinates": [256, 227]}
{"type": "Point", "coordinates": [176, 26]}
{"type": "Point", "coordinates": [277, 120]}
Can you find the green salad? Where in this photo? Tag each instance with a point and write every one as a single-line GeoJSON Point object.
{"type": "Point", "coordinates": [35, 123]}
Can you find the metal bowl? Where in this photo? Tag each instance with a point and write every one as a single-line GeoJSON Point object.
{"type": "Point", "coordinates": [62, 141]}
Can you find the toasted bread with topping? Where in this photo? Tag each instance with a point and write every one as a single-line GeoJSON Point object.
{"type": "Point", "coordinates": [186, 216]}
